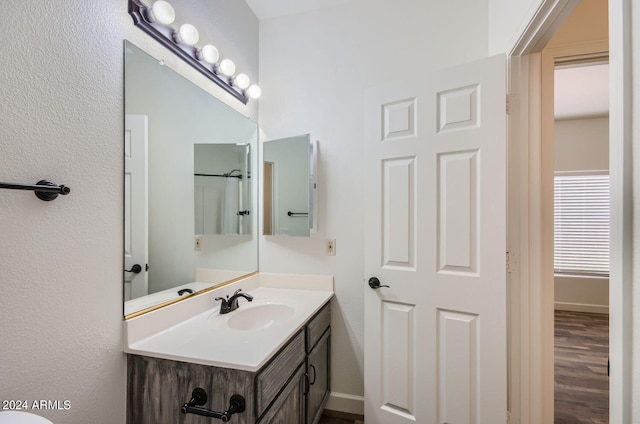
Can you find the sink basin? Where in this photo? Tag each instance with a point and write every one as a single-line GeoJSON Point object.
{"type": "Point", "coordinates": [259, 317]}
{"type": "Point", "coordinates": [19, 417]}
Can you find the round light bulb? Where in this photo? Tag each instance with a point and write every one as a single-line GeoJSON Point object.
{"type": "Point", "coordinates": [241, 81]}
{"type": "Point", "coordinates": [208, 54]}
{"type": "Point", "coordinates": [187, 34]}
{"type": "Point", "coordinates": [161, 12]}
{"type": "Point", "coordinates": [227, 67]}
{"type": "Point", "coordinates": [254, 91]}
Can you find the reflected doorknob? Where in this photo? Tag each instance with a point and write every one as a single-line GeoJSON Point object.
{"type": "Point", "coordinates": [374, 283]}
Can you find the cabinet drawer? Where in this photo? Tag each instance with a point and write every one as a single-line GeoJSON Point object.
{"type": "Point", "coordinates": [317, 326]}
{"type": "Point", "coordinates": [276, 374]}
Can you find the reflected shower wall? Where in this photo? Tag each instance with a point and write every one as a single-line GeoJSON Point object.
{"type": "Point", "coordinates": [222, 192]}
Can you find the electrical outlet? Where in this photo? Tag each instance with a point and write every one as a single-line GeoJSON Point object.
{"type": "Point", "coordinates": [197, 243]}
{"type": "Point", "coordinates": [331, 247]}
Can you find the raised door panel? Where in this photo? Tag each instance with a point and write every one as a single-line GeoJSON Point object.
{"type": "Point", "coordinates": [398, 359]}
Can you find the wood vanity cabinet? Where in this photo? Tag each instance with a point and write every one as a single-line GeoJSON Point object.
{"type": "Point", "coordinates": [292, 388]}
{"type": "Point", "coordinates": [317, 378]}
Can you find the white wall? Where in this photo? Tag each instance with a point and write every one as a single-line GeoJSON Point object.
{"type": "Point", "coordinates": [507, 20]}
{"type": "Point", "coordinates": [582, 294]}
{"type": "Point", "coordinates": [61, 262]}
{"type": "Point", "coordinates": [314, 68]}
{"type": "Point", "coordinates": [582, 144]}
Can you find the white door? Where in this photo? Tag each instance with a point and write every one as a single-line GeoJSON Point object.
{"type": "Point", "coordinates": [435, 339]}
{"type": "Point", "coordinates": [136, 214]}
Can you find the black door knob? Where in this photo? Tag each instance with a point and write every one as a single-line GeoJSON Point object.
{"type": "Point", "coordinates": [374, 283]}
{"type": "Point", "coordinates": [135, 269]}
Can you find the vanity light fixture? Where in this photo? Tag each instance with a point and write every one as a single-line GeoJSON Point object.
{"type": "Point", "coordinates": [156, 20]}
{"type": "Point", "coordinates": [209, 54]}
{"type": "Point", "coordinates": [226, 67]}
{"type": "Point", "coordinates": [254, 91]}
{"type": "Point", "coordinates": [161, 12]}
{"type": "Point", "coordinates": [187, 34]}
{"type": "Point", "coordinates": [241, 81]}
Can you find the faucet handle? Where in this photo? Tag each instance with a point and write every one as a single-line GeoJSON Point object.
{"type": "Point", "coordinates": [224, 307]}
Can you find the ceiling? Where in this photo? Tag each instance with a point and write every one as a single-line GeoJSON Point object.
{"type": "Point", "coordinates": [265, 9]}
{"type": "Point", "coordinates": [582, 91]}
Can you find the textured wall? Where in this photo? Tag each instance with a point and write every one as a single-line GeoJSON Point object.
{"type": "Point", "coordinates": [61, 114]}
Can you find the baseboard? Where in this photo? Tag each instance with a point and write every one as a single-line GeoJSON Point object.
{"type": "Point", "coordinates": [581, 307]}
{"type": "Point", "coordinates": [344, 402]}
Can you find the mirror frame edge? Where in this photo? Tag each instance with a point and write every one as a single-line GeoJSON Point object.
{"type": "Point", "coordinates": [179, 299]}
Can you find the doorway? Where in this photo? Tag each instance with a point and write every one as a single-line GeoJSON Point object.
{"type": "Point", "coordinates": [581, 239]}
{"type": "Point", "coordinates": [530, 253]}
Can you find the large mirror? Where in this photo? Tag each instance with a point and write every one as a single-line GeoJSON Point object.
{"type": "Point", "coordinates": [289, 186]}
{"type": "Point", "coordinates": [185, 231]}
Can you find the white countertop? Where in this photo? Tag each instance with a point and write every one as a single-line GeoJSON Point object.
{"type": "Point", "coordinates": [206, 338]}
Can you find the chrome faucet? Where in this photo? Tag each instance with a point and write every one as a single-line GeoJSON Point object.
{"type": "Point", "coordinates": [231, 303]}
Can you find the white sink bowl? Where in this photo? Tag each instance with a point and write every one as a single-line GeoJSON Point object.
{"type": "Point", "coordinates": [17, 417]}
{"type": "Point", "coordinates": [259, 317]}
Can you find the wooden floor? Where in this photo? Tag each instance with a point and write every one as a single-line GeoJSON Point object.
{"type": "Point", "coordinates": [581, 381]}
{"type": "Point", "coordinates": [332, 420]}
{"type": "Point", "coordinates": [335, 417]}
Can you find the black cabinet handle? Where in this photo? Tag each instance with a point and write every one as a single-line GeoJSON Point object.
{"type": "Point", "coordinates": [307, 386]}
{"type": "Point", "coordinates": [312, 382]}
{"type": "Point", "coordinates": [374, 283]}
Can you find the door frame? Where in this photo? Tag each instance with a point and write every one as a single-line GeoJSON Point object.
{"type": "Point", "coordinates": [531, 358]}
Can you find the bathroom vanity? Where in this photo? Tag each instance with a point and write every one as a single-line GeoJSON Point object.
{"type": "Point", "coordinates": [187, 362]}
{"type": "Point", "coordinates": [277, 359]}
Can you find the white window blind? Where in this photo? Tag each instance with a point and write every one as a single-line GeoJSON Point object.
{"type": "Point", "coordinates": [581, 223]}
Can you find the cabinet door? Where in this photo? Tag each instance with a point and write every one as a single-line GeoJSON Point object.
{"type": "Point", "coordinates": [318, 378]}
{"type": "Point", "coordinates": [288, 407]}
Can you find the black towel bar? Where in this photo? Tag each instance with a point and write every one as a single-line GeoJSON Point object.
{"type": "Point", "coordinates": [44, 189]}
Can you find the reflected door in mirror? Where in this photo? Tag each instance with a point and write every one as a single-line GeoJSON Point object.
{"type": "Point", "coordinates": [135, 207]}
